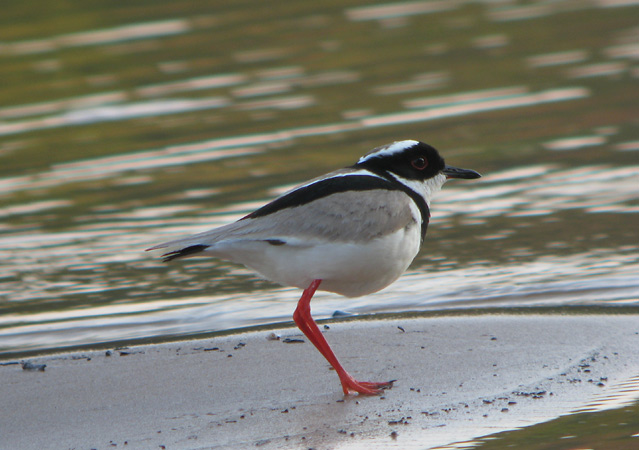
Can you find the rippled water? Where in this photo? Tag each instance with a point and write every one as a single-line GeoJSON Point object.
{"type": "Point", "coordinates": [610, 421]}
{"type": "Point", "coordinates": [123, 126]}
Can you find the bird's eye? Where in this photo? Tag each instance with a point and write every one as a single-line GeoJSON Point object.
{"type": "Point", "coordinates": [419, 163]}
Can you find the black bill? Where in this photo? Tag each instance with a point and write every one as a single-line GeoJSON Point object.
{"type": "Point", "coordinates": [455, 172]}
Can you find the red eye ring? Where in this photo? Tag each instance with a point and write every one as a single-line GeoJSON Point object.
{"type": "Point", "coordinates": [419, 163]}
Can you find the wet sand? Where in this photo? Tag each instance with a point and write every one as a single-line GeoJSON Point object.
{"type": "Point", "coordinates": [458, 377]}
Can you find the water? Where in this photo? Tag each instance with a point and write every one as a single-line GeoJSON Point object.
{"type": "Point", "coordinates": [123, 126]}
{"type": "Point", "coordinates": [610, 421]}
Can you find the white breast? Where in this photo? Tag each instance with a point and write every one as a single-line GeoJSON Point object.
{"type": "Point", "coordinates": [350, 269]}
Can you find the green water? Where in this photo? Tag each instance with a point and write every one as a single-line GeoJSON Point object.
{"type": "Point", "coordinates": [124, 124]}
{"type": "Point", "coordinates": [616, 429]}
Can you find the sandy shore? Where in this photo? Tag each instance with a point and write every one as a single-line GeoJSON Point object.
{"type": "Point", "coordinates": [458, 377]}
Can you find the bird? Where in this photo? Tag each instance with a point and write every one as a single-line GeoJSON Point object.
{"type": "Point", "coordinates": [352, 231]}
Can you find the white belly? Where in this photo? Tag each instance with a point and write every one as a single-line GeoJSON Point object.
{"type": "Point", "coordinates": [350, 269]}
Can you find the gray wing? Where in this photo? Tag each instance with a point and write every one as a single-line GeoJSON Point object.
{"type": "Point", "coordinates": [345, 216]}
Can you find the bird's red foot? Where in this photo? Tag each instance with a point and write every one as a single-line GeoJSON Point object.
{"type": "Point", "coordinates": [305, 322]}
{"type": "Point", "coordinates": [350, 386]}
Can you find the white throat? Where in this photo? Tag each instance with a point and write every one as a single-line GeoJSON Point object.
{"type": "Point", "coordinates": [426, 188]}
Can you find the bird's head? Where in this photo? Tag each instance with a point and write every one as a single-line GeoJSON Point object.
{"type": "Point", "coordinates": [415, 164]}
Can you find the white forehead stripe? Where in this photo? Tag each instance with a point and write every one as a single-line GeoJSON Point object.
{"type": "Point", "coordinates": [387, 150]}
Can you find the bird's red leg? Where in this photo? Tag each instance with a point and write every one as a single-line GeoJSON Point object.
{"type": "Point", "coordinates": [305, 322]}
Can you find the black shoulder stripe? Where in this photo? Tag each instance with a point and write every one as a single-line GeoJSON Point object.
{"type": "Point", "coordinates": [334, 185]}
{"type": "Point", "coordinates": [320, 189]}
{"type": "Point", "coordinates": [186, 251]}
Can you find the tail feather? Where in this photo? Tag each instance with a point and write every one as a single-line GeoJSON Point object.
{"type": "Point", "coordinates": [184, 252]}
{"type": "Point", "coordinates": [196, 243]}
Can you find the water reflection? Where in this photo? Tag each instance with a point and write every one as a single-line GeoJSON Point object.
{"type": "Point", "coordinates": [118, 34]}
{"type": "Point", "coordinates": [610, 418]}
{"type": "Point", "coordinates": [402, 9]}
{"type": "Point", "coordinates": [558, 58]}
{"type": "Point", "coordinates": [489, 104]}
{"type": "Point", "coordinates": [112, 113]}
{"type": "Point", "coordinates": [119, 137]}
{"type": "Point", "coordinates": [192, 84]}
{"type": "Point", "coordinates": [92, 253]}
